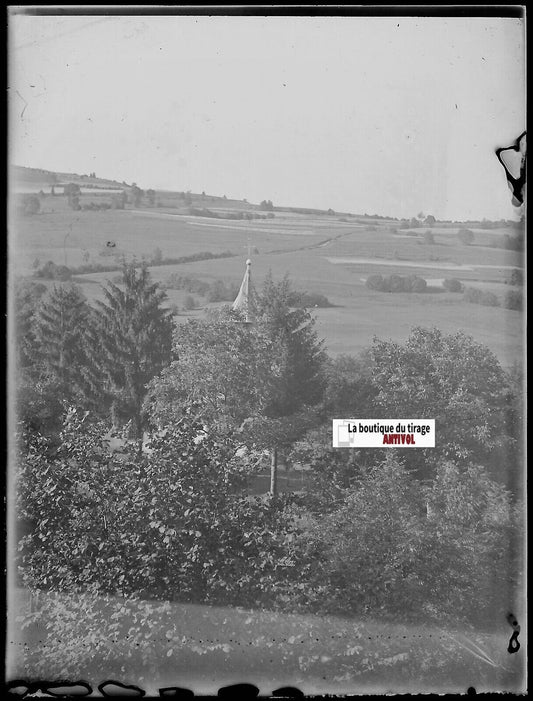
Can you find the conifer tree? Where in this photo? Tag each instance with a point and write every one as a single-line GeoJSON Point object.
{"type": "Point", "coordinates": [301, 378]}
{"type": "Point", "coordinates": [60, 333]}
{"type": "Point", "coordinates": [131, 343]}
{"type": "Point", "coordinates": [299, 382]}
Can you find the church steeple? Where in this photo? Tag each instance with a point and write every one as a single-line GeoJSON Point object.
{"type": "Point", "coordinates": [244, 302]}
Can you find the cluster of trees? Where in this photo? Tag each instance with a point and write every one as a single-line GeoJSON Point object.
{"type": "Point", "coordinates": [220, 291]}
{"type": "Point", "coordinates": [266, 205]}
{"type": "Point", "coordinates": [396, 283]}
{"type": "Point", "coordinates": [512, 299]}
{"type": "Point", "coordinates": [96, 358]}
{"type": "Point", "coordinates": [403, 532]}
{"type": "Point", "coordinates": [28, 205]}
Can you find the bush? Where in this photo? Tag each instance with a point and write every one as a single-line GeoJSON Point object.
{"type": "Point", "coordinates": [375, 282]}
{"type": "Point", "coordinates": [417, 284]}
{"type": "Point", "coordinates": [30, 205]}
{"type": "Point", "coordinates": [189, 303]}
{"type": "Point", "coordinates": [517, 277]}
{"type": "Point", "coordinates": [185, 282]}
{"type": "Point", "coordinates": [484, 297]}
{"type": "Point", "coordinates": [453, 285]}
{"type": "Point", "coordinates": [514, 299]}
{"type": "Point", "coordinates": [429, 239]}
{"type": "Point", "coordinates": [512, 243]}
{"type": "Point", "coordinates": [396, 283]}
{"type": "Point", "coordinates": [303, 300]}
{"type": "Point", "coordinates": [220, 292]}
{"type": "Point", "coordinates": [465, 236]}
{"type": "Point", "coordinates": [394, 546]}
{"type": "Point", "coordinates": [165, 524]}
{"type": "Point", "coordinates": [51, 271]}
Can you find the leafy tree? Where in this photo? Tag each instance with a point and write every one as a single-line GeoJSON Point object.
{"type": "Point", "coordinates": [395, 546]}
{"type": "Point", "coordinates": [471, 524]}
{"type": "Point", "coordinates": [430, 220]}
{"type": "Point", "coordinates": [223, 368]}
{"type": "Point", "coordinates": [453, 285]}
{"type": "Point", "coordinates": [429, 239]}
{"type": "Point", "coordinates": [136, 195]}
{"type": "Point", "coordinates": [454, 380]}
{"type": "Point", "coordinates": [150, 194]}
{"type": "Point", "coordinates": [73, 192]}
{"type": "Point", "coordinates": [131, 342]}
{"type": "Point", "coordinates": [266, 205]}
{"type": "Point", "coordinates": [348, 390]}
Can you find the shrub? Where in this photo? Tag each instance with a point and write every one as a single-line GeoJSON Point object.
{"type": "Point", "coordinates": [308, 299]}
{"type": "Point", "coordinates": [484, 297]}
{"type": "Point", "coordinates": [418, 284]}
{"type": "Point", "coordinates": [514, 299]}
{"type": "Point", "coordinates": [394, 546]}
{"type": "Point", "coordinates": [157, 256]}
{"type": "Point", "coordinates": [513, 243]}
{"type": "Point", "coordinates": [189, 303]}
{"type": "Point", "coordinates": [429, 239]}
{"type": "Point", "coordinates": [220, 292]}
{"type": "Point", "coordinates": [375, 282]}
{"type": "Point", "coordinates": [517, 277]}
{"type": "Point", "coordinates": [396, 283]}
{"type": "Point", "coordinates": [465, 236]}
{"type": "Point", "coordinates": [51, 271]}
{"type": "Point", "coordinates": [30, 205]}
{"type": "Point", "coordinates": [165, 523]}
{"type": "Point", "coordinates": [453, 285]}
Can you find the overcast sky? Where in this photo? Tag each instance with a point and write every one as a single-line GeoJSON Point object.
{"type": "Point", "coordinates": [377, 115]}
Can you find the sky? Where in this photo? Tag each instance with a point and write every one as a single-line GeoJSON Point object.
{"type": "Point", "coordinates": [392, 116]}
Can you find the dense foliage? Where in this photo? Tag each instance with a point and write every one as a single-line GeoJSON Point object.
{"type": "Point", "coordinates": [115, 527]}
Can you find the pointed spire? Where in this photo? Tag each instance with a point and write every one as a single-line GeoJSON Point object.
{"type": "Point", "coordinates": [244, 302]}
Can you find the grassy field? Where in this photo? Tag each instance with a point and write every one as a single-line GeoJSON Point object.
{"type": "Point", "coordinates": [321, 254]}
{"type": "Point", "coordinates": [205, 647]}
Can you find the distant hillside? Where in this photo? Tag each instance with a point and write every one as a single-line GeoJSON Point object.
{"type": "Point", "coordinates": [36, 178]}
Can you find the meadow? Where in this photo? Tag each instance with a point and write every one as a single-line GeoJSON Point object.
{"type": "Point", "coordinates": [203, 648]}
{"type": "Point", "coordinates": [328, 254]}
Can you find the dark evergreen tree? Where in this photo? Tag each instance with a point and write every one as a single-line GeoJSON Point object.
{"type": "Point", "coordinates": [60, 331]}
{"type": "Point", "coordinates": [131, 343]}
{"type": "Point", "coordinates": [298, 383]}
{"type": "Point", "coordinates": [27, 297]}
{"type": "Point", "coordinates": [301, 378]}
